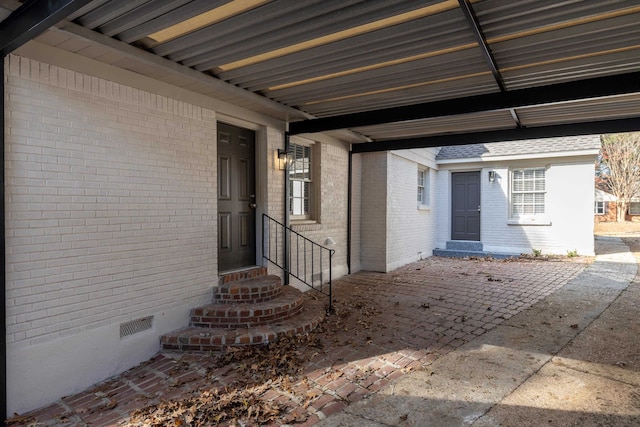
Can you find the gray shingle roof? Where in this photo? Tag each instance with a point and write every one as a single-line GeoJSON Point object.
{"type": "Point", "coordinates": [527, 146]}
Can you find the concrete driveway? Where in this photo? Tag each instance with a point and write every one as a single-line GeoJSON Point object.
{"type": "Point", "coordinates": [573, 359]}
{"type": "Point", "coordinates": [438, 342]}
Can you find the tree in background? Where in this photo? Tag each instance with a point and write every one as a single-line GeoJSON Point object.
{"type": "Point", "coordinates": [618, 168]}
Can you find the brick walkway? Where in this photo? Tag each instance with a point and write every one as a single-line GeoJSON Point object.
{"type": "Point", "coordinates": [385, 326]}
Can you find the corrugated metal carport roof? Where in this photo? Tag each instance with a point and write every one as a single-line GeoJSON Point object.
{"type": "Point", "coordinates": [391, 71]}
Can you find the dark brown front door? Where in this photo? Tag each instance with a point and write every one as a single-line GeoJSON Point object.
{"type": "Point", "coordinates": [465, 206]}
{"type": "Point", "coordinates": [236, 198]}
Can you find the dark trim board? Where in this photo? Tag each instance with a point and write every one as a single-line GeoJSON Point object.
{"type": "Point", "coordinates": [33, 18]}
{"type": "Point", "coordinates": [619, 84]}
{"type": "Point", "coordinates": [588, 128]}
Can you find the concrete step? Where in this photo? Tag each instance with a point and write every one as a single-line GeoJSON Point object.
{"type": "Point", "coordinates": [216, 339]}
{"type": "Point", "coordinates": [450, 253]}
{"type": "Point", "coordinates": [245, 314]}
{"type": "Point", "coordinates": [250, 291]}
{"type": "Point", "coordinates": [464, 245]}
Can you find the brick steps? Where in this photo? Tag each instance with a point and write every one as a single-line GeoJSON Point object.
{"type": "Point", "coordinates": [217, 339]}
{"type": "Point", "coordinates": [254, 290]}
{"type": "Point", "coordinates": [252, 311]}
{"type": "Point", "coordinates": [235, 315]}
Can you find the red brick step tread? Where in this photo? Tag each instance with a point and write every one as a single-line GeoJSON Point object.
{"type": "Point", "coordinates": [216, 339]}
{"type": "Point", "coordinates": [216, 315]}
{"type": "Point", "coordinates": [257, 289]}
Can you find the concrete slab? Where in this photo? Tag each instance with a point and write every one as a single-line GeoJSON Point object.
{"type": "Point", "coordinates": [560, 396]}
{"type": "Point", "coordinates": [511, 375]}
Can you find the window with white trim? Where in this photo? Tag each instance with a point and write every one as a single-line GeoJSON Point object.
{"type": "Point", "coordinates": [599, 208]}
{"type": "Point", "coordinates": [634, 208]}
{"type": "Point", "coordinates": [528, 192]}
{"type": "Point", "coordinates": [300, 181]}
{"type": "Point", "coordinates": [423, 187]}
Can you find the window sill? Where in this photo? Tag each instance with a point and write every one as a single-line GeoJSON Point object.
{"type": "Point", "coordinates": [424, 207]}
{"type": "Point", "coordinates": [529, 221]}
{"type": "Point", "coordinates": [305, 225]}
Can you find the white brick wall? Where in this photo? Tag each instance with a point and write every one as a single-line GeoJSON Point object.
{"type": "Point", "coordinates": [569, 202]}
{"type": "Point", "coordinates": [356, 213]}
{"type": "Point", "coordinates": [110, 202]}
{"type": "Point", "coordinates": [331, 215]}
{"type": "Point", "coordinates": [110, 216]}
{"type": "Point", "coordinates": [393, 230]}
{"type": "Point", "coordinates": [412, 234]}
{"type": "Point", "coordinates": [373, 222]}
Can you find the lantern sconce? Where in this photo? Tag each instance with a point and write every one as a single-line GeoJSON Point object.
{"type": "Point", "coordinates": [281, 159]}
{"type": "Point", "coordinates": [492, 176]}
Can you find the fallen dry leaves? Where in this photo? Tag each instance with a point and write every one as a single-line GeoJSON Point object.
{"type": "Point", "coordinates": [260, 369]}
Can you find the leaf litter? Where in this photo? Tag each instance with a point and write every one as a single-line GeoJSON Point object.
{"type": "Point", "coordinates": [276, 365]}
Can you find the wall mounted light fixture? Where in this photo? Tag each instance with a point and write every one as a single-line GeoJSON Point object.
{"type": "Point", "coordinates": [280, 159]}
{"type": "Point", "coordinates": [492, 176]}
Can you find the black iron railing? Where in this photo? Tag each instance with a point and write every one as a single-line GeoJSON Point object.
{"type": "Point", "coordinates": [298, 256]}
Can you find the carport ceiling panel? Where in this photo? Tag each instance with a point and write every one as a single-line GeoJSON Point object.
{"type": "Point", "coordinates": [425, 72]}
{"type": "Point", "coordinates": [418, 39]}
{"type": "Point", "coordinates": [524, 36]}
{"type": "Point", "coordinates": [162, 19]}
{"type": "Point", "coordinates": [502, 19]}
{"type": "Point", "coordinates": [544, 74]}
{"type": "Point", "coordinates": [478, 85]}
{"type": "Point", "coordinates": [215, 38]}
{"type": "Point", "coordinates": [616, 107]}
{"type": "Point", "coordinates": [568, 53]}
{"type": "Point", "coordinates": [488, 120]}
{"type": "Point", "coordinates": [276, 25]}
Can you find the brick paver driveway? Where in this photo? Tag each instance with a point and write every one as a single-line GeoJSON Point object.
{"type": "Point", "coordinates": [385, 325]}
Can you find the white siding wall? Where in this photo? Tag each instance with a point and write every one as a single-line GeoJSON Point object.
{"type": "Point", "coordinates": [111, 216]}
{"type": "Point", "coordinates": [569, 203]}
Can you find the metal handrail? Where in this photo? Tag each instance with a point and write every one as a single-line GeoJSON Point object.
{"type": "Point", "coordinates": [303, 258]}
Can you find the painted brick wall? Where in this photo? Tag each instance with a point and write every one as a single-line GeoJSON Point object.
{"type": "Point", "coordinates": [110, 202]}
{"type": "Point", "coordinates": [412, 235]}
{"type": "Point", "coordinates": [330, 223]}
{"type": "Point", "coordinates": [569, 202]}
{"type": "Point", "coordinates": [275, 185]}
{"type": "Point", "coordinates": [356, 213]}
{"type": "Point", "coordinates": [373, 222]}
{"type": "Point", "coordinates": [110, 217]}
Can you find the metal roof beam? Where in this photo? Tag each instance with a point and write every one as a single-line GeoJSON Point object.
{"type": "Point", "coordinates": [482, 42]}
{"type": "Point", "coordinates": [33, 18]}
{"type": "Point", "coordinates": [619, 84]}
{"type": "Point", "coordinates": [572, 129]}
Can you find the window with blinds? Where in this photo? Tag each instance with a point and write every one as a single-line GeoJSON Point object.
{"type": "Point", "coordinates": [300, 181]}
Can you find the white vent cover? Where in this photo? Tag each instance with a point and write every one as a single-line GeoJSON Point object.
{"type": "Point", "coordinates": [135, 326]}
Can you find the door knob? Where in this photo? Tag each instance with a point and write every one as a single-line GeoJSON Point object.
{"type": "Point", "coordinates": [252, 205]}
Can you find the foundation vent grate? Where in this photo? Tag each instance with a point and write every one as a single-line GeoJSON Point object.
{"type": "Point", "coordinates": [135, 326]}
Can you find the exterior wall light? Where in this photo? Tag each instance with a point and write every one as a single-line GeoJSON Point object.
{"type": "Point", "coordinates": [492, 176]}
{"type": "Point", "coordinates": [281, 159]}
